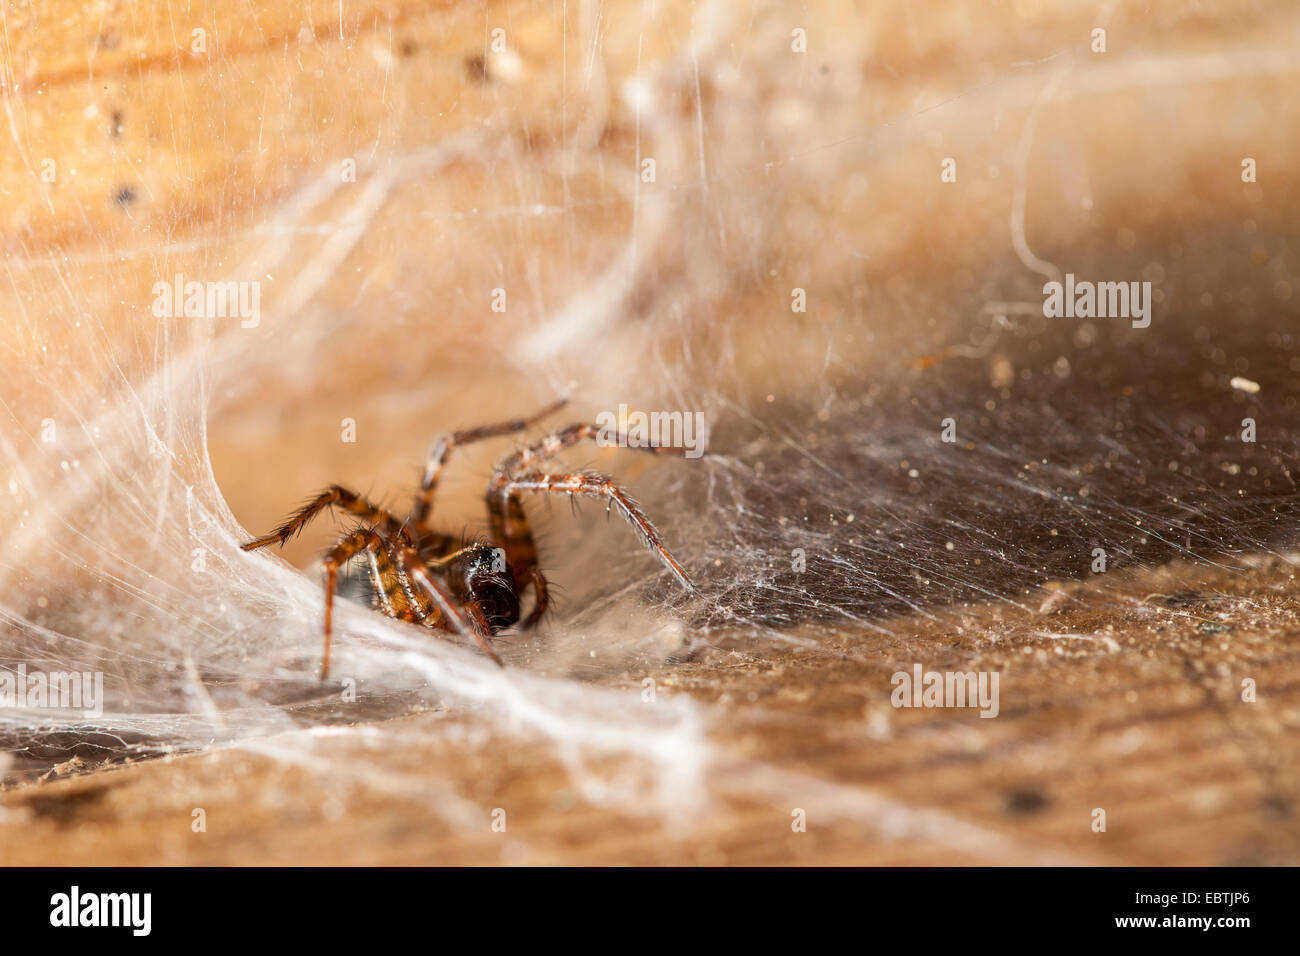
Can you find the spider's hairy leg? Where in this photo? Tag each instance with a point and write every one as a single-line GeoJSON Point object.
{"type": "Point", "coordinates": [506, 513]}
{"type": "Point", "coordinates": [467, 620]}
{"type": "Point", "coordinates": [541, 600]}
{"type": "Point", "coordinates": [396, 564]}
{"type": "Point", "coordinates": [512, 533]}
{"type": "Point", "coordinates": [569, 436]}
{"type": "Point", "coordinates": [441, 449]}
{"type": "Point", "coordinates": [510, 524]}
{"type": "Point", "coordinates": [390, 584]}
{"type": "Point", "coordinates": [334, 495]}
{"type": "Point", "coordinates": [364, 539]}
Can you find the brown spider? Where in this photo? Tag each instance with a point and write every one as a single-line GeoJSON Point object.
{"type": "Point", "coordinates": [444, 582]}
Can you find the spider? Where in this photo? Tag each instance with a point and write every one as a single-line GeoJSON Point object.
{"type": "Point", "coordinates": [443, 581]}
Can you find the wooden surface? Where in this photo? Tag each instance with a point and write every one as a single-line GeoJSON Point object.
{"type": "Point", "coordinates": [1130, 703]}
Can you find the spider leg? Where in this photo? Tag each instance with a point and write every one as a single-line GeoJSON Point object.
{"type": "Point", "coordinates": [391, 587]}
{"type": "Point", "coordinates": [512, 533]}
{"type": "Point", "coordinates": [443, 446]}
{"type": "Point", "coordinates": [334, 495]}
{"type": "Point", "coordinates": [366, 539]}
{"type": "Point", "coordinates": [397, 597]}
{"type": "Point", "coordinates": [538, 581]}
{"type": "Point", "coordinates": [569, 436]}
{"type": "Point", "coordinates": [467, 620]}
{"type": "Point", "coordinates": [511, 526]}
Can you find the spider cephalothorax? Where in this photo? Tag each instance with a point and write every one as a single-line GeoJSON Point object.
{"type": "Point", "coordinates": [439, 580]}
